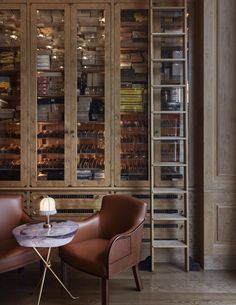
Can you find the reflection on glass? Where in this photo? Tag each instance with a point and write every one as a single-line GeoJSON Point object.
{"type": "Point", "coordinates": [169, 21]}
{"type": "Point", "coordinates": [50, 94]}
{"type": "Point", "coordinates": [168, 47]}
{"type": "Point", "coordinates": [90, 94]}
{"type": "Point", "coordinates": [133, 95]}
{"type": "Point", "coordinates": [10, 103]}
{"type": "Point", "coordinates": [169, 151]}
{"type": "Point", "coordinates": [169, 125]}
{"type": "Point", "coordinates": [168, 99]}
{"type": "Point", "coordinates": [169, 73]}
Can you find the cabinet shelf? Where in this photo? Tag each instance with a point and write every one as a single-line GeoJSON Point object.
{"type": "Point", "coordinates": [133, 143]}
{"type": "Point", "coordinates": [51, 137]}
{"type": "Point", "coordinates": [9, 47]}
{"type": "Point", "coordinates": [50, 96]}
{"type": "Point", "coordinates": [92, 70]}
{"type": "Point", "coordinates": [9, 121]}
{"type": "Point", "coordinates": [49, 70]}
{"type": "Point", "coordinates": [50, 169]}
{"type": "Point", "coordinates": [10, 97]}
{"type": "Point", "coordinates": [93, 96]}
{"type": "Point", "coordinates": [9, 169]}
{"type": "Point", "coordinates": [9, 153]}
{"type": "Point", "coordinates": [50, 153]}
{"type": "Point", "coordinates": [56, 122]}
{"type": "Point", "coordinates": [9, 72]}
{"type": "Point", "coordinates": [44, 24]}
{"type": "Point", "coordinates": [133, 25]}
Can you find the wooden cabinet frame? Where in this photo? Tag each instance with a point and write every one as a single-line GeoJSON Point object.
{"type": "Point", "coordinates": [107, 94]}
{"type": "Point", "coordinates": [33, 95]}
{"type": "Point", "coordinates": [23, 97]}
{"type": "Point", "coordinates": [117, 132]}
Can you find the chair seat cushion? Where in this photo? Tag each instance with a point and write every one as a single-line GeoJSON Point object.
{"type": "Point", "coordinates": [88, 256]}
{"type": "Point", "coordinates": [13, 256]}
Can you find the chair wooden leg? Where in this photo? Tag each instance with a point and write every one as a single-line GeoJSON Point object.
{"type": "Point", "coordinates": [137, 278]}
{"type": "Point", "coordinates": [105, 296]}
{"type": "Point", "coordinates": [63, 272]}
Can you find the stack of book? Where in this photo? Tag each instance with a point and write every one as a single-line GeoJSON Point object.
{"type": "Point", "coordinates": [131, 99]}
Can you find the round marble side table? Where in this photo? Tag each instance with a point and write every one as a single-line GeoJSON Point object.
{"type": "Point", "coordinates": [36, 236]}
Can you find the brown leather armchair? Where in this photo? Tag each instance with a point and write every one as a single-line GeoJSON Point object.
{"type": "Point", "coordinates": [109, 241]}
{"type": "Point", "coordinates": [12, 255]}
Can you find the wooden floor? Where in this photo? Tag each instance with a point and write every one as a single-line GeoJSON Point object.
{"type": "Point", "coordinates": [166, 286]}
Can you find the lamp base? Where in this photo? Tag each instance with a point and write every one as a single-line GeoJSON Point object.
{"type": "Point", "coordinates": [47, 225]}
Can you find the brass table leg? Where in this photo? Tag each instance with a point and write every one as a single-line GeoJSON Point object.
{"type": "Point", "coordinates": [47, 265]}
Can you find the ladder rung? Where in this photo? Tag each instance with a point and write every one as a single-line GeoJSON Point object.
{"type": "Point", "coordinates": [168, 86]}
{"type": "Point", "coordinates": [168, 138]}
{"type": "Point", "coordinates": [168, 60]}
{"type": "Point", "coordinates": [167, 8]}
{"type": "Point", "coordinates": [164, 164]}
{"type": "Point", "coordinates": [168, 216]}
{"type": "Point", "coordinates": [168, 112]}
{"type": "Point", "coordinates": [168, 190]}
{"type": "Point", "coordinates": [169, 244]}
{"type": "Point", "coordinates": [168, 34]}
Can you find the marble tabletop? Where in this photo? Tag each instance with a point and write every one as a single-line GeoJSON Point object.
{"type": "Point", "coordinates": [35, 235]}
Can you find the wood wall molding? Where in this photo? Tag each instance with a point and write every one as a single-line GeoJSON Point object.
{"type": "Point", "coordinates": [219, 94]}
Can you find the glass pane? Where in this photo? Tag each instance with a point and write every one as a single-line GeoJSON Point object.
{"type": "Point", "coordinates": [168, 21]}
{"type": "Point", "coordinates": [133, 95]}
{"type": "Point", "coordinates": [169, 151]}
{"type": "Point", "coordinates": [169, 73]}
{"type": "Point", "coordinates": [169, 99]}
{"type": "Point", "coordinates": [50, 94]}
{"type": "Point", "coordinates": [90, 94]}
{"type": "Point", "coordinates": [169, 125]}
{"type": "Point", "coordinates": [10, 94]}
{"type": "Point", "coordinates": [168, 47]}
{"type": "Point", "coordinates": [169, 176]}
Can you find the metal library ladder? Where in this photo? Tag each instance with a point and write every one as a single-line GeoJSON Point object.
{"type": "Point", "coordinates": [169, 126]}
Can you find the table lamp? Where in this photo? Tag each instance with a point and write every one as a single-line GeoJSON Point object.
{"type": "Point", "coordinates": [47, 208]}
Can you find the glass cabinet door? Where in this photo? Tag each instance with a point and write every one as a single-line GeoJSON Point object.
{"type": "Point", "coordinates": [131, 103]}
{"type": "Point", "coordinates": [49, 96]}
{"type": "Point", "coordinates": [13, 133]}
{"type": "Point", "coordinates": [91, 99]}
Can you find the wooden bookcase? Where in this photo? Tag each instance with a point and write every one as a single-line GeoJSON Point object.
{"type": "Point", "coordinates": [89, 135]}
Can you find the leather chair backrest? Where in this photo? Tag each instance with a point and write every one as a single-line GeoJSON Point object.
{"type": "Point", "coordinates": [119, 213]}
{"type": "Point", "coordinates": [11, 214]}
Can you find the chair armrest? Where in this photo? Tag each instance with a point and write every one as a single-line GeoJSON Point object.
{"type": "Point", "coordinates": [122, 240]}
{"type": "Point", "coordinates": [88, 229]}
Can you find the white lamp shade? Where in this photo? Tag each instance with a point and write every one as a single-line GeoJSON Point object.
{"type": "Point", "coordinates": [47, 206]}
